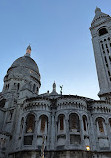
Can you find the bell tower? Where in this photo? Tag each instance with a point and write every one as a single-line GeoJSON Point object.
{"type": "Point", "coordinates": [101, 39]}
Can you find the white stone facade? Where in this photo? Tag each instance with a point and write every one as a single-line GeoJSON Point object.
{"type": "Point", "coordinates": [64, 126]}
{"type": "Point", "coordinates": [101, 39]}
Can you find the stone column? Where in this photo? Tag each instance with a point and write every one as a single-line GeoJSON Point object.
{"type": "Point", "coordinates": [35, 134]}
{"type": "Point", "coordinates": [52, 130]}
{"type": "Point", "coordinates": [81, 132]}
{"type": "Point", "coordinates": [108, 132]}
{"type": "Point", "coordinates": [67, 130]}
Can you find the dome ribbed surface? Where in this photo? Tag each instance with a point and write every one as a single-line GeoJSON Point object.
{"type": "Point", "coordinates": [27, 62]}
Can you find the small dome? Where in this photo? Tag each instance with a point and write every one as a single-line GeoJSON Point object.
{"type": "Point", "coordinates": [27, 62]}
{"type": "Point", "coordinates": [97, 10]}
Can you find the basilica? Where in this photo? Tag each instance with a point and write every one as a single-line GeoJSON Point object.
{"type": "Point", "coordinates": [53, 125]}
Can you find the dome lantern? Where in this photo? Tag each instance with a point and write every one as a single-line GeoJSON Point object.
{"type": "Point", "coordinates": [28, 51]}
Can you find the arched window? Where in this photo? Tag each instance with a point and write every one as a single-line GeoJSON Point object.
{"type": "Point", "coordinates": [103, 31]}
{"type": "Point", "coordinates": [84, 122]}
{"type": "Point", "coordinates": [34, 88]}
{"type": "Point", "coordinates": [18, 86]}
{"type": "Point", "coordinates": [74, 124]}
{"type": "Point", "coordinates": [110, 123]}
{"type": "Point", "coordinates": [30, 123]}
{"type": "Point", "coordinates": [37, 89]}
{"type": "Point", "coordinates": [61, 122]}
{"type": "Point", "coordinates": [100, 122]}
{"type": "Point", "coordinates": [8, 86]}
{"type": "Point", "coordinates": [10, 115]}
{"type": "Point", "coordinates": [3, 143]}
{"type": "Point", "coordinates": [44, 121]}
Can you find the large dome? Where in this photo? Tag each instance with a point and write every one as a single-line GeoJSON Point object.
{"type": "Point", "coordinates": [24, 71]}
{"type": "Point", "coordinates": [24, 68]}
{"type": "Point", "coordinates": [26, 62]}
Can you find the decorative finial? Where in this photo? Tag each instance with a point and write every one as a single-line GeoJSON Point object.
{"type": "Point", "coordinates": [97, 10]}
{"type": "Point", "coordinates": [54, 86]}
{"type": "Point", "coordinates": [28, 50]}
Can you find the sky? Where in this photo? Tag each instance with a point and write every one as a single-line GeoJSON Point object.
{"type": "Point", "coordinates": [58, 31]}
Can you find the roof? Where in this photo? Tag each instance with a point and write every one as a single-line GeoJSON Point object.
{"type": "Point", "coordinates": [99, 16]}
{"type": "Point", "coordinates": [26, 61]}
